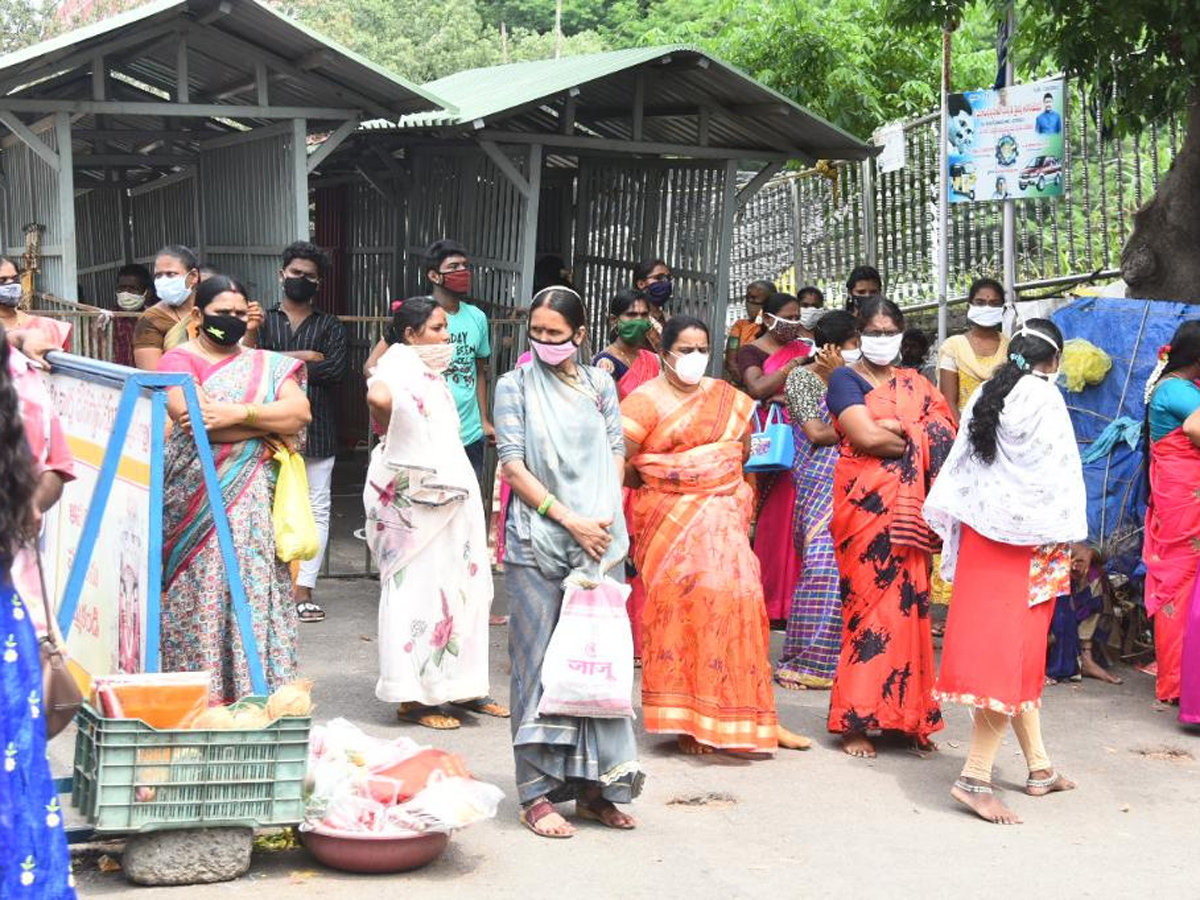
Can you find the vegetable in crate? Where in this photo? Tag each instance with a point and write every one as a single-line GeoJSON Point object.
{"type": "Point", "coordinates": [293, 699]}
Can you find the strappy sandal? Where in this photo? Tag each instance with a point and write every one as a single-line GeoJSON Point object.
{"type": "Point", "coordinates": [485, 706]}
{"type": "Point", "coordinates": [600, 810]}
{"type": "Point", "coordinates": [535, 812]}
{"type": "Point", "coordinates": [429, 717]}
{"type": "Point", "coordinates": [309, 612]}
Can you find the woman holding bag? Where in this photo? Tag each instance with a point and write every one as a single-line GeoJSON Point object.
{"type": "Point", "coordinates": [425, 528]}
{"type": "Point", "coordinates": [558, 437]}
{"type": "Point", "coordinates": [245, 395]}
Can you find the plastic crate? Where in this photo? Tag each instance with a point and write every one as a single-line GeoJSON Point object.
{"type": "Point", "coordinates": [188, 778]}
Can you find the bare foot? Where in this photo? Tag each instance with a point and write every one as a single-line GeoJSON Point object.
{"type": "Point", "coordinates": [1092, 669]}
{"type": "Point", "coordinates": [693, 747]}
{"type": "Point", "coordinates": [789, 740]}
{"type": "Point", "coordinates": [983, 802]}
{"type": "Point", "coordinates": [924, 744]}
{"type": "Point", "coordinates": [1047, 781]}
{"type": "Point", "coordinates": [858, 745]}
{"type": "Point", "coordinates": [791, 685]}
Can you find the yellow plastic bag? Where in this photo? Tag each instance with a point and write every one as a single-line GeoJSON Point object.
{"type": "Point", "coordinates": [1084, 364]}
{"type": "Point", "coordinates": [295, 527]}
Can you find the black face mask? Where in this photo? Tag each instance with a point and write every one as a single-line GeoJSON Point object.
{"type": "Point", "coordinates": [223, 330]}
{"type": "Point", "coordinates": [300, 289]}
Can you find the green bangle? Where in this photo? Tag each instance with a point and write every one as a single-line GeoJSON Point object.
{"type": "Point", "coordinates": [546, 504]}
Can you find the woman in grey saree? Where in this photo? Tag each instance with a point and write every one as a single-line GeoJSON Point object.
{"type": "Point", "coordinates": [559, 438]}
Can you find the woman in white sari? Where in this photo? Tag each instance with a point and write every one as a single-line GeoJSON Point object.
{"type": "Point", "coordinates": [426, 530]}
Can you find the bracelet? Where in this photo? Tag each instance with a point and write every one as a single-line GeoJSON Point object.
{"type": "Point", "coordinates": [546, 504]}
{"type": "Point", "coordinates": [251, 414]}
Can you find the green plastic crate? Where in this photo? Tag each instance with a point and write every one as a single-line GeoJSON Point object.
{"type": "Point", "coordinates": [131, 777]}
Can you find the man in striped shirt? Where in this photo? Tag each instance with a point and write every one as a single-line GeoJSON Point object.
{"type": "Point", "coordinates": [295, 328]}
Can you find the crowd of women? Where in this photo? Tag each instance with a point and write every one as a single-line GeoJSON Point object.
{"type": "Point", "coordinates": [629, 465]}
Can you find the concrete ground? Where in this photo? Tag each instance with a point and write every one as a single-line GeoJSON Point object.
{"type": "Point", "coordinates": [810, 824]}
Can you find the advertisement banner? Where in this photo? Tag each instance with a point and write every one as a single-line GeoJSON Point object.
{"type": "Point", "coordinates": [1006, 144]}
{"type": "Point", "coordinates": [107, 633]}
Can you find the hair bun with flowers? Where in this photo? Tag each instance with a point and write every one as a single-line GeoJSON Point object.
{"type": "Point", "coordinates": [1164, 353]}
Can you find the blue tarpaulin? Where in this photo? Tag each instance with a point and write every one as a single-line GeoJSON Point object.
{"type": "Point", "coordinates": [1131, 332]}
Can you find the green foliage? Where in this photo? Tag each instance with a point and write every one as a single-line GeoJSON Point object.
{"type": "Point", "coordinates": [25, 22]}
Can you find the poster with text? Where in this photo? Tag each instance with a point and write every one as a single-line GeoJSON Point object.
{"type": "Point", "coordinates": [1006, 144]}
{"type": "Point", "coordinates": [107, 634]}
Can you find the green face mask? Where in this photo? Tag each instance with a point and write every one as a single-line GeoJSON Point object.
{"type": "Point", "coordinates": [633, 331]}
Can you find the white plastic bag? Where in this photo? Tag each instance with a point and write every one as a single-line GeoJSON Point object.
{"type": "Point", "coordinates": [588, 668]}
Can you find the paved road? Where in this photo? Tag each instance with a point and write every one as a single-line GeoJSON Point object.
{"type": "Point", "coordinates": [809, 824]}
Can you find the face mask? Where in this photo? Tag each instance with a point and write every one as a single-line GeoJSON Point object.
{"type": "Point", "coordinates": [436, 357]}
{"type": "Point", "coordinates": [1054, 378]}
{"type": "Point", "coordinates": [659, 292]}
{"type": "Point", "coordinates": [633, 331]}
{"type": "Point", "coordinates": [985, 316]}
{"type": "Point", "coordinates": [300, 289]}
{"type": "Point", "coordinates": [10, 294]}
{"type": "Point", "coordinates": [882, 350]}
{"type": "Point", "coordinates": [130, 300]}
{"type": "Point", "coordinates": [172, 290]}
{"type": "Point", "coordinates": [223, 330]}
{"type": "Point", "coordinates": [810, 315]}
{"type": "Point", "coordinates": [785, 329]}
{"type": "Point", "coordinates": [554, 354]}
{"type": "Point", "coordinates": [851, 356]}
{"type": "Point", "coordinates": [457, 282]}
{"type": "Point", "coordinates": [689, 367]}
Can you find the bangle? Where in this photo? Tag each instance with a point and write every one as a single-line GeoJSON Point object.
{"type": "Point", "coordinates": [546, 504]}
{"type": "Point", "coordinates": [251, 413]}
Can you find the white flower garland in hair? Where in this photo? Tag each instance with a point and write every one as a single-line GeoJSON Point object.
{"type": "Point", "coordinates": [1155, 375]}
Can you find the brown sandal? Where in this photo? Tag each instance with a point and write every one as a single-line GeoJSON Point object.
{"type": "Point", "coordinates": [535, 812]}
{"type": "Point", "coordinates": [428, 716]}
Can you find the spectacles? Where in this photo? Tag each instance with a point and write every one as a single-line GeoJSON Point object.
{"type": "Point", "coordinates": [9, 279]}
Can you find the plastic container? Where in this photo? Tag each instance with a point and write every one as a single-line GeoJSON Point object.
{"type": "Point", "coordinates": [373, 854]}
{"type": "Point", "coordinates": [160, 699]}
{"type": "Point", "coordinates": [130, 777]}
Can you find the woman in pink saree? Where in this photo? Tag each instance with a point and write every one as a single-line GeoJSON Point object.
{"type": "Point", "coordinates": [1172, 545]}
{"type": "Point", "coordinates": [765, 366]}
{"type": "Point", "coordinates": [245, 395]}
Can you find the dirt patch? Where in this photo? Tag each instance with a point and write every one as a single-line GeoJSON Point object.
{"type": "Point", "coordinates": [1169, 754]}
{"type": "Point", "coordinates": [709, 800]}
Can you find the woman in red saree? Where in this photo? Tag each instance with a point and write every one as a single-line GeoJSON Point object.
{"type": "Point", "coordinates": [1171, 550]}
{"type": "Point", "coordinates": [631, 365]}
{"type": "Point", "coordinates": [896, 431]}
{"type": "Point", "coordinates": [765, 366]}
{"type": "Point", "coordinates": [706, 671]}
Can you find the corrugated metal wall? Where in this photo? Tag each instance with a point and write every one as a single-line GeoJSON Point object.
{"type": "Point", "coordinates": [164, 212]}
{"type": "Point", "coordinates": [99, 243]}
{"type": "Point", "coordinates": [32, 196]}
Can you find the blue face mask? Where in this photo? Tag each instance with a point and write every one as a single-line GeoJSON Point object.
{"type": "Point", "coordinates": [659, 292]}
{"type": "Point", "coordinates": [172, 290]}
{"type": "Point", "coordinates": [10, 294]}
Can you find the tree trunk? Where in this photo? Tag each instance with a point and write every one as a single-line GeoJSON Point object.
{"type": "Point", "coordinates": [1161, 260]}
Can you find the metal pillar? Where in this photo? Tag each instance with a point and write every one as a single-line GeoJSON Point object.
{"type": "Point", "coordinates": [66, 205]}
{"type": "Point", "coordinates": [300, 176]}
{"type": "Point", "coordinates": [716, 324]}
{"type": "Point", "coordinates": [1008, 222]}
{"type": "Point", "coordinates": [533, 196]}
{"type": "Point", "coordinates": [943, 232]}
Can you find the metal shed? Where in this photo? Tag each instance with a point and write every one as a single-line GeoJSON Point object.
{"type": "Point", "coordinates": [183, 121]}
{"type": "Point", "coordinates": [600, 160]}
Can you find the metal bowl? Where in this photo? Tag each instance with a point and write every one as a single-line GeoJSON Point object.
{"type": "Point", "coordinates": [371, 854]}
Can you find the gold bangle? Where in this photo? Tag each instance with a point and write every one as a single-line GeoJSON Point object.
{"type": "Point", "coordinates": [251, 414]}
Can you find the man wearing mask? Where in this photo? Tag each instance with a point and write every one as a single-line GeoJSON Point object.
{"type": "Point", "coordinates": [296, 328]}
{"type": "Point", "coordinates": [746, 331]}
{"type": "Point", "coordinates": [653, 278]}
{"type": "Point", "coordinates": [864, 281]}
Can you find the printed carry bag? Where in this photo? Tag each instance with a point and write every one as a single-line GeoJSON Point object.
{"type": "Point", "coordinates": [772, 446]}
{"type": "Point", "coordinates": [295, 527]}
{"type": "Point", "coordinates": [588, 667]}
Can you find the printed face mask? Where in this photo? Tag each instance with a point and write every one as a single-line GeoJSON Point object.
{"type": "Point", "coordinates": [457, 282]}
{"type": "Point", "coordinates": [689, 367]}
{"type": "Point", "coordinates": [10, 294]}
{"type": "Point", "coordinates": [223, 330]}
{"type": "Point", "coordinates": [554, 354]}
{"type": "Point", "coordinates": [436, 357]}
{"type": "Point", "coordinates": [785, 329]}
{"type": "Point", "coordinates": [172, 290]}
{"type": "Point", "coordinates": [633, 331]}
{"type": "Point", "coordinates": [882, 350]}
{"type": "Point", "coordinates": [985, 316]}
{"type": "Point", "coordinates": [130, 300]}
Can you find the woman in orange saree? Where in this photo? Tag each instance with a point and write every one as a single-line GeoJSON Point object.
{"type": "Point", "coordinates": [896, 432]}
{"type": "Point", "coordinates": [706, 672]}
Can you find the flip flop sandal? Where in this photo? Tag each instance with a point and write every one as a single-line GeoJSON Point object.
{"type": "Point", "coordinates": [486, 706]}
{"type": "Point", "coordinates": [428, 717]}
{"type": "Point", "coordinates": [595, 810]}
{"type": "Point", "coordinates": [535, 812]}
{"type": "Point", "coordinates": [309, 612]}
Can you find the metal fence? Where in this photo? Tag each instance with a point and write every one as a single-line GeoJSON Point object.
{"type": "Point", "coordinates": [812, 227]}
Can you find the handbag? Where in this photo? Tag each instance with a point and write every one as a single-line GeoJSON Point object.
{"type": "Point", "coordinates": [61, 697]}
{"type": "Point", "coordinates": [295, 527]}
{"type": "Point", "coordinates": [772, 447]}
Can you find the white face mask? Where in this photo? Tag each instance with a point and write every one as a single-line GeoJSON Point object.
{"type": "Point", "coordinates": [851, 356]}
{"type": "Point", "coordinates": [810, 315]}
{"type": "Point", "coordinates": [689, 367]}
{"type": "Point", "coordinates": [130, 300]}
{"type": "Point", "coordinates": [1054, 378]}
{"type": "Point", "coordinates": [10, 294]}
{"type": "Point", "coordinates": [881, 350]}
{"type": "Point", "coordinates": [985, 316]}
{"type": "Point", "coordinates": [436, 357]}
{"type": "Point", "coordinates": [172, 290]}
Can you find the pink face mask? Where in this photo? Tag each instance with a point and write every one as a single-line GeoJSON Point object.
{"type": "Point", "coordinates": [554, 354]}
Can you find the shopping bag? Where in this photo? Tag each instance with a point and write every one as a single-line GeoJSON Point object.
{"type": "Point", "coordinates": [295, 527]}
{"type": "Point", "coordinates": [772, 447]}
{"type": "Point", "coordinates": [588, 667]}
